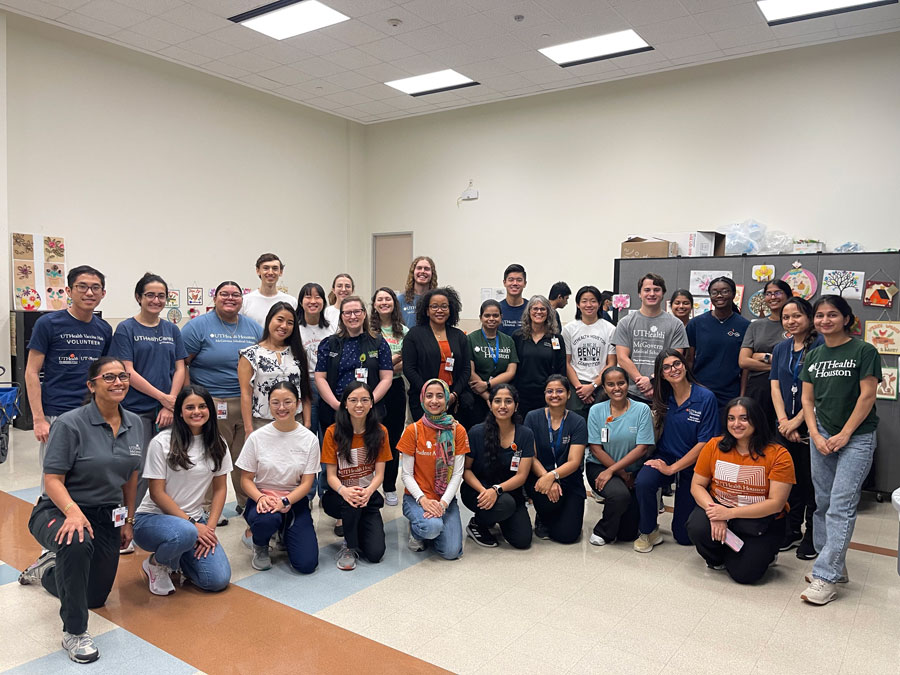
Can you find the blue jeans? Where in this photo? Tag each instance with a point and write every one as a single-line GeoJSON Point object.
{"type": "Point", "coordinates": [172, 540]}
{"type": "Point", "coordinates": [648, 481]}
{"type": "Point", "coordinates": [297, 529]}
{"type": "Point", "coordinates": [445, 532]}
{"type": "Point", "coordinates": [838, 480]}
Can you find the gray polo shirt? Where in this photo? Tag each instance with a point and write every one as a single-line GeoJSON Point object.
{"type": "Point", "coordinates": [96, 465]}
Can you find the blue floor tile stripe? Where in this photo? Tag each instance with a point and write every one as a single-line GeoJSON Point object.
{"type": "Point", "coordinates": [8, 574]}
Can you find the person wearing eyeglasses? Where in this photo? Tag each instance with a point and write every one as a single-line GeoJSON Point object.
{"type": "Point", "coordinates": [63, 345]}
{"type": "Point", "coordinates": [214, 342]}
{"type": "Point", "coordinates": [86, 512]}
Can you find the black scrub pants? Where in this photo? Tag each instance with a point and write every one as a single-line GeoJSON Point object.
{"type": "Point", "coordinates": [363, 527]}
{"type": "Point", "coordinates": [395, 422]}
{"type": "Point", "coordinates": [621, 514]}
{"type": "Point", "coordinates": [508, 512]}
{"type": "Point", "coordinates": [802, 499]}
{"type": "Point", "coordinates": [564, 518]}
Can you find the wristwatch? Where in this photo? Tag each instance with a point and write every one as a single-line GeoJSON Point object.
{"type": "Point", "coordinates": [555, 474]}
{"type": "Point", "coordinates": [193, 520]}
{"type": "Point", "coordinates": [285, 501]}
{"type": "Point", "coordinates": [498, 489]}
{"type": "Point", "coordinates": [595, 385]}
{"type": "Point", "coordinates": [767, 358]}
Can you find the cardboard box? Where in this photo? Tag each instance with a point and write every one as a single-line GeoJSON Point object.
{"type": "Point", "coordinates": [809, 246]}
{"type": "Point", "coordinates": [648, 247]}
{"type": "Point", "coordinates": [699, 244]}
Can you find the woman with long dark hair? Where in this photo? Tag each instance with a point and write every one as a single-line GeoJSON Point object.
{"type": "Point", "coordinates": [839, 382]}
{"type": "Point", "coordinates": [388, 322]}
{"type": "Point", "coordinates": [741, 484]}
{"type": "Point", "coordinates": [498, 464]}
{"type": "Point", "coordinates": [681, 305]}
{"type": "Point", "coordinates": [541, 351]}
{"type": "Point", "coordinates": [354, 453]}
{"type": "Point", "coordinates": [686, 416]}
{"type": "Point", "coordinates": [494, 361]}
{"type": "Point", "coordinates": [314, 328]}
{"type": "Point", "coordinates": [182, 464]}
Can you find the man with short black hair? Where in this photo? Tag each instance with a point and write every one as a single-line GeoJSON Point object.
{"type": "Point", "coordinates": [257, 304]}
{"type": "Point", "coordinates": [511, 307]}
{"type": "Point", "coordinates": [559, 298]}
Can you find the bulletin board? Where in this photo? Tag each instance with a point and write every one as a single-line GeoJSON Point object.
{"type": "Point", "coordinates": [869, 292]}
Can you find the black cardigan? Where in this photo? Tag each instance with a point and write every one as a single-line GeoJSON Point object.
{"type": "Point", "coordinates": [422, 361]}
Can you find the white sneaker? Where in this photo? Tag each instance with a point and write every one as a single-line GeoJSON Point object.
{"type": "Point", "coordinates": [80, 648]}
{"type": "Point", "coordinates": [158, 577]}
{"type": "Point", "coordinates": [128, 549]}
{"type": "Point", "coordinates": [645, 542]}
{"type": "Point", "coordinates": [391, 499]}
{"type": "Point", "coordinates": [820, 592]}
{"type": "Point", "coordinates": [597, 540]}
{"type": "Point", "coordinates": [415, 545]}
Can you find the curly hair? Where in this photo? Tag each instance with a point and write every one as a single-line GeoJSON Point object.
{"type": "Point", "coordinates": [528, 328]}
{"type": "Point", "coordinates": [409, 292]}
{"type": "Point", "coordinates": [452, 299]}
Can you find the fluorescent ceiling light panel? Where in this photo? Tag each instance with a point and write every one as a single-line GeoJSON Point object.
{"type": "Point", "coordinates": [596, 48]}
{"type": "Point", "coordinates": [288, 18]}
{"type": "Point", "coordinates": [432, 83]}
{"type": "Point", "coordinates": [785, 11]}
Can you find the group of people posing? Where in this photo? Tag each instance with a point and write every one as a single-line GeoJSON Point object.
{"type": "Point", "coordinates": [766, 429]}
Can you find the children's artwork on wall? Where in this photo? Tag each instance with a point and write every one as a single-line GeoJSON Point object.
{"type": "Point", "coordinates": [210, 308]}
{"type": "Point", "coordinates": [879, 293]}
{"type": "Point", "coordinates": [758, 306]}
{"type": "Point", "coordinates": [802, 281]}
{"type": "Point", "coordinates": [173, 299]}
{"type": "Point", "coordinates": [54, 249]}
{"type": "Point", "coordinates": [856, 327]}
{"type": "Point", "coordinates": [212, 292]}
{"type": "Point", "coordinates": [702, 305]}
{"type": "Point", "coordinates": [621, 301]}
{"type": "Point", "coordinates": [763, 272]}
{"type": "Point", "coordinates": [887, 388]}
{"type": "Point", "coordinates": [884, 335]}
{"type": "Point", "coordinates": [174, 315]}
{"type": "Point", "coordinates": [23, 246]}
{"type": "Point", "coordinates": [283, 288]}
{"type": "Point", "coordinates": [739, 296]}
{"type": "Point", "coordinates": [247, 291]}
{"type": "Point", "coordinates": [699, 281]}
{"type": "Point", "coordinates": [54, 274]}
{"type": "Point", "coordinates": [56, 297]}
{"type": "Point", "coordinates": [846, 283]}
{"type": "Point", "coordinates": [193, 312]}
{"type": "Point", "coordinates": [23, 273]}
{"type": "Point", "coordinates": [194, 295]}
{"type": "Point", "coordinates": [28, 298]}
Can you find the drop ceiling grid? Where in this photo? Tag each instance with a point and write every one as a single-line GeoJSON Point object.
{"type": "Point", "coordinates": [341, 69]}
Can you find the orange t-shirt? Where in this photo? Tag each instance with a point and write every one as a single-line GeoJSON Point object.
{"type": "Point", "coordinates": [736, 480]}
{"type": "Point", "coordinates": [424, 452]}
{"type": "Point", "coordinates": [357, 472]}
{"type": "Point", "coordinates": [443, 373]}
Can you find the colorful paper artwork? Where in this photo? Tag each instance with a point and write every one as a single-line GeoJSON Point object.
{"type": "Point", "coordinates": [803, 282]}
{"type": "Point", "coordinates": [28, 298]}
{"type": "Point", "coordinates": [880, 293]}
{"type": "Point", "coordinates": [887, 388]}
{"type": "Point", "coordinates": [193, 312]}
{"type": "Point", "coordinates": [846, 283]}
{"type": "Point", "coordinates": [210, 308]}
{"type": "Point", "coordinates": [856, 327]}
{"type": "Point", "coordinates": [757, 305]}
{"type": "Point", "coordinates": [23, 273]}
{"type": "Point", "coordinates": [247, 291]}
{"type": "Point", "coordinates": [23, 245]}
{"type": "Point", "coordinates": [174, 315]}
{"type": "Point", "coordinates": [54, 275]}
{"type": "Point", "coordinates": [38, 263]}
{"type": "Point", "coordinates": [621, 301]}
{"type": "Point", "coordinates": [54, 249]}
{"type": "Point", "coordinates": [194, 295]}
{"type": "Point", "coordinates": [702, 305]}
{"type": "Point", "coordinates": [56, 297]}
{"type": "Point", "coordinates": [884, 335]}
{"type": "Point", "coordinates": [173, 299]}
{"type": "Point", "coordinates": [699, 280]}
{"type": "Point", "coordinates": [739, 296]}
{"type": "Point", "coordinates": [763, 273]}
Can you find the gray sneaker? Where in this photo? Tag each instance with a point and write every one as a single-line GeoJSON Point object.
{"type": "Point", "coordinates": [36, 570]}
{"type": "Point", "coordinates": [415, 545]}
{"type": "Point", "coordinates": [80, 648]}
{"type": "Point", "coordinates": [346, 559]}
{"type": "Point", "coordinates": [261, 560]}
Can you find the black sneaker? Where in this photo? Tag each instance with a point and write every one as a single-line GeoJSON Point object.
{"type": "Point", "coordinates": [238, 509]}
{"type": "Point", "coordinates": [541, 531]}
{"type": "Point", "coordinates": [806, 550]}
{"type": "Point", "coordinates": [481, 535]}
{"type": "Point", "coordinates": [791, 539]}
{"type": "Point", "coordinates": [338, 530]}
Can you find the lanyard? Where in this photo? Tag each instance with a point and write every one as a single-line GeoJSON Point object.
{"type": "Point", "coordinates": [795, 371]}
{"type": "Point", "coordinates": [555, 445]}
{"type": "Point", "coordinates": [495, 355]}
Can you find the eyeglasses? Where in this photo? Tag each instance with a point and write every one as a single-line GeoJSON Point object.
{"type": "Point", "coordinates": [720, 294]}
{"type": "Point", "coordinates": [539, 310]}
{"type": "Point", "coordinates": [234, 296]}
{"type": "Point", "coordinates": [773, 294]}
{"type": "Point", "coordinates": [675, 365]}
{"type": "Point", "coordinates": [84, 288]}
{"type": "Point", "coordinates": [109, 378]}
{"type": "Point", "coordinates": [353, 312]}
{"type": "Point", "coordinates": [155, 296]}
{"type": "Point", "coordinates": [442, 308]}
{"type": "Point", "coordinates": [359, 401]}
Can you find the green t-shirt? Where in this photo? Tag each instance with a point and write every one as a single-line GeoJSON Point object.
{"type": "Point", "coordinates": [394, 342]}
{"type": "Point", "coordinates": [483, 352]}
{"type": "Point", "coordinates": [835, 373]}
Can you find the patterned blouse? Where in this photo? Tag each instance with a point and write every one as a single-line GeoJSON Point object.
{"type": "Point", "coordinates": [267, 372]}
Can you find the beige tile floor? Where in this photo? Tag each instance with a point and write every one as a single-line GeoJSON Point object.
{"type": "Point", "coordinates": [578, 609]}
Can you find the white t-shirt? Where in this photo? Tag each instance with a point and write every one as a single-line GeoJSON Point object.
{"type": "Point", "coordinates": [186, 487]}
{"type": "Point", "coordinates": [311, 336]}
{"type": "Point", "coordinates": [589, 345]}
{"type": "Point", "coordinates": [280, 459]}
{"type": "Point", "coordinates": [332, 314]}
{"type": "Point", "coordinates": [256, 305]}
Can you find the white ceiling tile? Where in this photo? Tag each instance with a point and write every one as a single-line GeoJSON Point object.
{"type": "Point", "coordinates": [738, 37]}
{"type": "Point", "coordinates": [112, 12]}
{"type": "Point", "coordinates": [527, 60]}
{"type": "Point", "coordinates": [347, 98]}
{"type": "Point", "coordinates": [151, 7]}
{"type": "Point", "coordinates": [36, 8]}
{"type": "Point", "coordinates": [357, 8]}
{"type": "Point", "coordinates": [469, 28]}
{"type": "Point", "coordinates": [163, 30]}
{"type": "Point", "coordinates": [375, 107]}
{"type": "Point", "coordinates": [316, 42]}
{"type": "Point", "coordinates": [641, 59]}
{"type": "Point", "coordinates": [285, 75]}
{"type": "Point", "coordinates": [379, 20]}
{"type": "Point", "coordinates": [350, 80]}
{"type": "Point", "coordinates": [755, 48]}
{"type": "Point", "coordinates": [418, 64]}
{"type": "Point", "coordinates": [533, 14]}
{"type": "Point", "coordinates": [324, 103]}
{"type": "Point", "coordinates": [589, 71]}
{"type": "Point", "coordinates": [436, 11]}
{"type": "Point", "coordinates": [642, 12]}
{"type": "Point", "coordinates": [241, 36]}
{"type": "Point", "coordinates": [697, 6]}
{"type": "Point", "coordinates": [808, 38]}
{"type": "Point", "coordinates": [388, 49]}
{"type": "Point", "coordinates": [441, 97]}
{"type": "Point", "coordinates": [490, 68]}
{"type": "Point", "coordinates": [870, 28]}
{"type": "Point", "coordinates": [317, 88]}
{"type": "Point", "coordinates": [819, 25]}
{"type": "Point", "coordinates": [88, 24]}
{"type": "Point", "coordinates": [499, 45]}
{"type": "Point", "coordinates": [224, 69]}
{"type": "Point", "coordinates": [547, 34]}
{"type": "Point", "coordinates": [547, 74]}
{"type": "Point", "coordinates": [697, 59]}
{"type": "Point", "coordinates": [249, 61]}
{"type": "Point", "coordinates": [382, 72]}
{"type": "Point", "coordinates": [565, 10]}
{"type": "Point", "coordinates": [864, 16]}
{"type": "Point", "coordinates": [261, 82]}
{"type": "Point", "coordinates": [64, 4]}
{"type": "Point", "coordinates": [648, 68]}
{"type": "Point", "coordinates": [354, 32]}
{"type": "Point", "coordinates": [738, 16]}
{"type": "Point", "coordinates": [195, 19]}
{"type": "Point", "coordinates": [457, 55]}
{"type": "Point", "coordinates": [428, 39]}
{"type": "Point", "coordinates": [183, 55]}
{"type": "Point", "coordinates": [318, 67]}
{"type": "Point", "coordinates": [226, 8]}
{"type": "Point", "coordinates": [378, 92]}
{"type": "Point", "coordinates": [205, 45]}
{"type": "Point", "coordinates": [282, 53]}
{"type": "Point", "coordinates": [409, 103]}
{"type": "Point", "coordinates": [352, 58]}
{"type": "Point", "coordinates": [699, 44]}
{"type": "Point", "coordinates": [507, 82]}
{"type": "Point", "coordinates": [670, 31]}
{"type": "Point", "coordinates": [139, 41]}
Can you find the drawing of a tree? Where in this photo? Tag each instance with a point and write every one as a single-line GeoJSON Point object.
{"type": "Point", "coordinates": [841, 280]}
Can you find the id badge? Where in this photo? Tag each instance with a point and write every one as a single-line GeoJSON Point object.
{"type": "Point", "coordinates": [361, 374]}
{"type": "Point", "coordinates": [604, 435]}
{"type": "Point", "coordinates": [448, 364]}
{"type": "Point", "coordinates": [514, 464]}
{"type": "Point", "coordinates": [119, 515]}
{"type": "Point", "coordinates": [554, 342]}
{"type": "Point", "coordinates": [794, 389]}
{"type": "Point", "coordinates": [221, 411]}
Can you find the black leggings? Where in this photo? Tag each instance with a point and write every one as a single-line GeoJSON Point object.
{"type": "Point", "coordinates": [363, 528]}
{"type": "Point", "coordinates": [564, 518]}
{"type": "Point", "coordinates": [802, 499]}
{"type": "Point", "coordinates": [510, 513]}
{"type": "Point", "coordinates": [394, 421]}
{"type": "Point", "coordinates": [620, 508]}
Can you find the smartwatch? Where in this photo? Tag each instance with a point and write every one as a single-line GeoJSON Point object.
{"type": "Point", "coordinates": [192, 520]}
{"type": "Point", "coordinates": [596, 386]}
{"type": "Point", "coordinates": [767, 358]}
{"type": "Point", "coordinates": [498, 489]}
{"type": "Point", "coordinates": [285, 501]}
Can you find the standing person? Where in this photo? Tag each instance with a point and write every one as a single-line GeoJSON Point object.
{"type": "Point", "coordinates": [278, 464]}
{"type": "Point", "coordinates": [839, 382]}
{"type": "Point", "coordinates": [541, 351]}
{"type": "Point", "coordinates": [589, 349]}
{"type": "Point", "coordinates": [620, 431]}
{"type": "Point", "coordinates": [436, 348]}
{"type": "Point", "coordinates": [606, 307]}
{"type": "Point", "coordinates": [686, 416]}
{"type": "Point", "coordinates": [556, 486]}
{"type": "Point", "coordinates": [86, 513]}
{"type": "Point", "coordinates": [787, 363]}
{"type": "Point", "coordinates": [640, 336]}
{"type": "Point", "coordinates": [494, 361]}
{"type": "Point", "coordinates": [422, 278]}
{"type": "Point", "coordinates": [715, 338]}
{"type": "Point", "coordinates": [511, 307]}
{"type": "Point", "coordinates": [559, 297]}
{"type": "Point", "coordinates": [388, 321]}
{"type": "Point", "coordinates": [741, 484]}
{"type": "Point", "coordinates": [64, 344]}
{"type": "Point", "coordinates": [183, 463]}
{"type": "Point", "coordinates": [269, 269]}
{"type": "Point", "coordinates": [355, 451]}
{"type": "Point", "coordinates": [213, 342]}
{"type": "Point", "coordinates": [434, 452]}
{"type": "Point", "coordinates": [756, 350]}
{"type": "Point", "coordinates": [153, 354]}
{"type": "Point", "coordinates": [342, 287]}
{"type": "Point", "coordinates": [279, 355]}
{"type": "Point", "coordinates": [682, 305]}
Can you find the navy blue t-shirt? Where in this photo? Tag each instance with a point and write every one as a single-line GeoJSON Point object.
{"type": "Point", "coordinates": [696, 421]}
{"type": "Point", "coordinates": [153, 352]}
{"type": "Point", "coordinates": [350, 361]}
{"type": "Point", "coordinates": [408, 309]}
{"type": "Point", "coordinates": [574, 431]}
{"type": "Point", "coordinates": [511, 320]}
{"type": "Point", "coordinates": [69, 347]}
{"type": "Point", "coordinates": [500, 471]}
{"type": "Point", "coordinates": [786, 367]}
{"type": "Point", "coordinates": [717, 345]}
